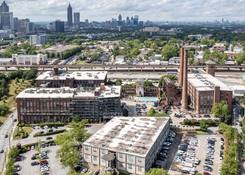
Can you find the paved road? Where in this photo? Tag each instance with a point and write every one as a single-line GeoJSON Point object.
{"type": "Point", "coordinates": [6, 129]}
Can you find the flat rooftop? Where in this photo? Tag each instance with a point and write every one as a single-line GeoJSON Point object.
{"type": "Point", "coordinates": [131, 135]}
{"type": "Point", "coordinates": [60, 48]}
{"type": "Point", "coordinates": [66, 92]}
{"type": "Point", "coordinates": [206, 82]}
{"type": "Point", "coordinates": [77, 75]}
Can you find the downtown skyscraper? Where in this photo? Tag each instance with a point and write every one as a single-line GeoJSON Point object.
{"type": "Point", "coordinates": [6, 17]}
{"type": "Point", "coordinates": [69, 16]}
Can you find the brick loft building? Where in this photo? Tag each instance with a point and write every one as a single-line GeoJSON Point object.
{"type": "Point", "coordinates": [56, 79]}
{"type": "Point", "coordinates": [41, 105]}
{"type": "Point", "coordinates": [200, 89]}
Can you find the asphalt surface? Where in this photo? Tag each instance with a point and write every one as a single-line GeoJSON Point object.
{"type": "Point", "coordinates": [55, 167]}
{"type": "Point", "coordinates": [6, 129]}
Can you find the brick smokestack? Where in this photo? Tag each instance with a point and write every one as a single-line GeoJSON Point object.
{"type": "Point", "coordinates": [184, 100]}
{"type": "Point", "coordinates": [211, 68]}
{"type": "Point", "coordinates": [180, 78]}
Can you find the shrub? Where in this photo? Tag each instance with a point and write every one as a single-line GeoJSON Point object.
{"type": "Point", "coordinates": [38, 134]}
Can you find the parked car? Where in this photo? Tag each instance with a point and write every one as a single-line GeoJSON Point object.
{"type": "Point", "coordinates": [34, 163]}
{"type": "Point", "coordinates": [96, 172]}
{"type": "Point", "coordinates": [49, 138]}
{"type": "Point", "coordinates": [17, 168]}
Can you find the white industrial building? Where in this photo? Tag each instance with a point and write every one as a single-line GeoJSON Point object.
{"type": "Point", "coordinates": [30, 59]}
{"type": "Point", "coordinates": [129, 144]}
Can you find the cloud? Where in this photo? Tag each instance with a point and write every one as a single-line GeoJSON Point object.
{"type": "Point", "coordinates": [156, 10]}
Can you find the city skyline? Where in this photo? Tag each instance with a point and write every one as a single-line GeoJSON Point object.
{"type": "Point", "coordinates": [164, 10]}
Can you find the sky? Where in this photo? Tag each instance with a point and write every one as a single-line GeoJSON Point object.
{"type": "Point", "coordinates": [154, 10]}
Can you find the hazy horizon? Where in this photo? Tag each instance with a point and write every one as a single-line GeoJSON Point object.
{"type": "Point", "coordinates": [154, 10]}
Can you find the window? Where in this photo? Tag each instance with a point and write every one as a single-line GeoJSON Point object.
{"type": "Point", "coordinates": [86, 148]}
{"type": "Point", "coordinates": [130, 166]}
{"type": "Point", "coordinates": [140, 168]}
{"type": "Point", "coordinates": [95, 158]}
{"type": "Point", "coordinates": [130, 158]}
{"type": "Point", "coordinates": [103, 152]}
{"type": "Point", "coordinates": [120, 155]}
{"type": "Point", "coordinates": [140, 160]}
{"type": "Point", "coordinates": [86, 156]}
{"type": "Point", "coordinates": [94, 150]}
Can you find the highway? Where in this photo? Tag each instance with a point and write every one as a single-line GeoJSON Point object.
{"type": "Point", "coordinates": [117, 68]}
{"type": "Point", "coordinates": [5, 142]}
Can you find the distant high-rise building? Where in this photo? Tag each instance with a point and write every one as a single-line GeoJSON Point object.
{"type": "Point", "coordinates": [38, 40]}
{"type": "Point", "coordinates": [136, 20]}
{"type": "Point", "coordinates": [120, 18]}
{"type": "Point", "coordinates": [24, 26]}
{"type": "Point", "coordinates": [127, 20]}
{"type": "Point", "coordinates": [16, 24]}
{"type": "Point", "coordinates": [69, 16]}
{"type": "Point", "coordinates": [4, 7]}
{"type": "Point", "coordinates": [77, 20]}
{"type": "Point", "coordinates": [132, 20]}
{"type": "Point", "coordinates": [59, 26]}
{"type": "Point", "coordinates": [6, 17]}
{"type": "Point", "coordinates": [86, 21]}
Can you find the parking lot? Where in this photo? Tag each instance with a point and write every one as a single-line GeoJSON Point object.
{"type": "Point", "coordinates": [30, 164]}
{"type": "Point", "coordinates": [166, 154]}
{"type": "Point", "coordinates": [198, 153]}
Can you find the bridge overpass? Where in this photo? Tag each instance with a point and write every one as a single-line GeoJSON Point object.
{"type": "Point", "coordinates": [118, 68]}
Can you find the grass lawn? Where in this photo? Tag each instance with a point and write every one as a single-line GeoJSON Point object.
{"type": "Point", "coordinates": [15, 87]}
{"type": "Point", "coordinates": [80, 62]}
{"type": "Point", "coordinates": [21, 131]}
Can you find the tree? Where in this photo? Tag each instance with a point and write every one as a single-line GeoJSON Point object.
{"type": "Point", "coordinates": [170, 50]}
{"type": "Point", "coordinates": [3, 110]}
{"type": "Point", "coordinates": [78, 132]}
{"type": "Point", "coordinates": [208, 42]}
{"type": "Point", "coordinates": [240, 59]}
{"type": "Point", "coordinates": [203, 125]}
{"type": "Point", "coordinates": [221, 110]}
{"type": "Point", "coordinates": [151, 112]}
{"type": "Point", "coordinates": [218, 57]}
{"type": "Point", "coordinates": [157, 171]}
{"type": "Point", "coordinates": [147, 83]}
{"type": "Point", "coordinates": [119, 82]}
{"type": "Point", "coordinates": [30, 74]}
{"type": "Point", "coordinates": [69, 152]}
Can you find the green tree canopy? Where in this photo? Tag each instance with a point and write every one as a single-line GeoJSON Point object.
{"type": "Point", "coordinates": [221, 110]}
{"type": "Point", "coordinates": [151, 112]}
{"type": "Point", "coordinates": [157, 171]}
{"type": "Point", "coordinates": [218, 57]}
{"type": "Point", "coordinates": [170, 50]}
{"type": "Point", "coordinates": [240, 59]}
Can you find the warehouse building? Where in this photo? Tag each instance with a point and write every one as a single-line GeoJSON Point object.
{"type": "Point", "coordinates": [41, 105]}
{"type": "Point", "coordinates": [56, 79]}
{"type": "Point", "coordinates": [128, 144]}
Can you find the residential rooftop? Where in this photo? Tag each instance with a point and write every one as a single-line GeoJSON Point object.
{"type": "Point", "coordinates": [131, 135]}
{"type": "Point", "coordinates": [77, 75]}
{"type": "Point", "coordinates": [206, 82]}
{"type": "Point", "coordinates": [66, 92]}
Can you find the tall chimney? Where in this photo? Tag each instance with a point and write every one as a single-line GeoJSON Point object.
{"type": "Point", "coordinates": [184, 101]}
{"type": "Point", "coordinates": [211, 68]}
{"type": "Point", "coordinates": [180, 78]}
